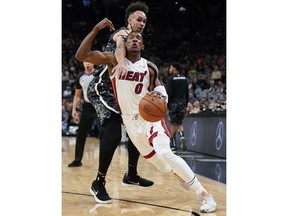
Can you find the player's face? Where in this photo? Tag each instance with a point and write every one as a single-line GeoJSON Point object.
{"type": "Point", "coordinates": [134, 42]}
{"type": "Point", "coordinates": [137, 21]}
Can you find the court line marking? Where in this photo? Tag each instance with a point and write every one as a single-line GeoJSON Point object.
{"type": "Point", "coordinates": [131, 201]}
{"type": "Point", "coordinates": [211, 160]}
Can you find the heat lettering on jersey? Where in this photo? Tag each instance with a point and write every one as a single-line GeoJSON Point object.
{"type": "Point", "coordinates": [134, 76]}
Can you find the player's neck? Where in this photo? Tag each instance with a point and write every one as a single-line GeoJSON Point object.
{"type": "Point", "coordinates": [88, 71]}
{"type": "Point", "coordinates": [133, 57]}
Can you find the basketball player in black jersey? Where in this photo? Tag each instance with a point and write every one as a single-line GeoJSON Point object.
{"type": "Point", "coordinates": [178, 93]}
{"type": "Point", "coordinates": [100, 94]}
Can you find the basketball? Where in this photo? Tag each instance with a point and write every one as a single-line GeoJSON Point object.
{"type": "Point", "coordinates": [152, 108]}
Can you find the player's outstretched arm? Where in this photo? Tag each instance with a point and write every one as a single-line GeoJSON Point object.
{"type": "Point", "coordinates": [84, 52]}
{"type": "Point", "coordinates": [120, 54]}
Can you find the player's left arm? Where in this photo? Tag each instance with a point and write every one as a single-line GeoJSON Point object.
{"type": "Point", "coordinates": [155, 84]}
{"type": "Point", "coordinates": [84, 52]}
{"type": "Point", "coordinates": [120, 54]}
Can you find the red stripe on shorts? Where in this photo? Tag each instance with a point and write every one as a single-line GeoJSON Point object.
{"type": "Point", "coordinates": [165, 127]}
{"type": "Point", "coordinates": [151, 154]}
{"type": "Point", "coordinates": [152, 137]}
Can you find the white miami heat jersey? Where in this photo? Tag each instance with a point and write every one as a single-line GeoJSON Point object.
{"type": "Point", "coordinates": [130, 89]}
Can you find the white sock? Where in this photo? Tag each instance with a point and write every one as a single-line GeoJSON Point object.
{"type": "Point", "coordinates": [183, 172]}
{"type": "Point", "coordinates": [196, 186]}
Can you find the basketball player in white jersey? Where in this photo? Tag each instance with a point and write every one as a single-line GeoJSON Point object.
{"type": "Point", "coordinates": [151, 139]}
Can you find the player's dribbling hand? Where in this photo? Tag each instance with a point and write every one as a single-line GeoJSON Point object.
{"type": "Point", "coordinates": [157, 94]}
{"type": "Point", "coordinates": [105, 23]}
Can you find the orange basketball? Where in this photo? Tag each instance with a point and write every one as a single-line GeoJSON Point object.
{"type": "Point", "coordinates": [152, 108]}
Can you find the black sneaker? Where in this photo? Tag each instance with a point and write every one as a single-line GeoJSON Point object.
{"type": "Point", "coordinates": [136, 181]}
{"type": "Point", "coordinates": [99, 192]}
{"type": "Point", "coordinates": [75, 164]}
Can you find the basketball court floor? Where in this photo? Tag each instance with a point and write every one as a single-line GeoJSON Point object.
{"type": "Point", "coordinates": [165, 198]}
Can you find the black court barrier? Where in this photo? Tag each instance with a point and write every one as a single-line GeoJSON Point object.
{"type": "Point", "coordinates": [205, 133]}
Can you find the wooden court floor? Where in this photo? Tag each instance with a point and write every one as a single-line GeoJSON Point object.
{"type": "Point", "coordinates": [165, 198]}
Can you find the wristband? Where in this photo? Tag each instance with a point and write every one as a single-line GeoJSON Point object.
{"type": "Point", "coordinates": [161, 89]}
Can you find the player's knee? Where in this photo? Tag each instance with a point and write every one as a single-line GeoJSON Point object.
{"type": "Point", "coordinates": [168, 156]}
{"type": "Point", "coordinates": [157, 161]}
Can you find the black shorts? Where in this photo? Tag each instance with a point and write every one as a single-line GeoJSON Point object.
{"type": "Point", "coordinates": [177, 112]}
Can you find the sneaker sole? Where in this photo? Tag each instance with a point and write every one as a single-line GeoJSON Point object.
{"type": "Point", "coordinates": [211, 209]}
{"type": "Point", "coordinates": [136, 185]}
{"type": "Point", "coordinates": [208, 211]}
{"type": "Point", "coordinates": [75, 165]}
{"type": "Point", "coordinates": [98, 200]}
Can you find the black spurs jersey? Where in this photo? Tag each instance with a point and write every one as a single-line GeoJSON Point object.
{"type": "Point", "coordinates": [177, 89]}
{"type": "Point", "coordinates": [100, 92]}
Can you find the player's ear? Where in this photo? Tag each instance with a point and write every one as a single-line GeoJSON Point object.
{"type": "Point", "coordinates": [142, 47]}
{"type": "Point", "coordinates": [129, 21]}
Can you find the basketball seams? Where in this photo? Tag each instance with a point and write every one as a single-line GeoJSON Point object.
{"type": "Point", "coordinates": [154, 105]}
{"type": "Point", "coordinates": [149, 113]}
{"type": "Point", "coordinates": [151, 109]}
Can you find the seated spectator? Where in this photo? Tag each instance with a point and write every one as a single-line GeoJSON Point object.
{"type": "Point", "coordinates": [220, 96]}
{"type": "Point", "coordinates": [67, 94]}
{"type": "Point", "coordinates": [223, 105]}
{"type": "Point", "coordinates": [201, 81]}
{"type": "Point", "coordinates": [189, 107]}
{"type": "Point", "coordinates": [194, 107]}
{"type": "Point", "coordinates": [211, 85]}
{"type": "Point", "coordinates": [204, 93]}
{"type": "Point", "coordinates": [198, 91]}
{"type": "Point", "coordinates": [191, 96]}
{"type": "Point", "coordinates": [216, 74]}
{"type": "Point", "coordinates": [204, 104]}
{"type": "Point", "coordinates": [71, 81]}
{"type": "Point", "coordinates": [212, 104]}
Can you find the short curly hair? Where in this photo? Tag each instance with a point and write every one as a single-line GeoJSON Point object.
{"type": "Point", "coordinates": [176, 65]}
{"type": "Point", "coordinates": [136, 6]}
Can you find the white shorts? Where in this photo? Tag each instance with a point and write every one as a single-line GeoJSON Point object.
{"type": "Point", "coordinates": [147, 136]}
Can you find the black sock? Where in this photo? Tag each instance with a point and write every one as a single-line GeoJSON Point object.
{"type": "Point", "coordinates": [132, 170]}
{"type": "Point", "coordinates": [172, 142]}
{"type": "Point", "coordinates": [181, 133]}
{"type": "Point", "coordinates": [100, 177]}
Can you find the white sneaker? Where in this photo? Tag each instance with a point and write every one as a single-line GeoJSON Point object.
{"type": "Point", "coordinates": [207, 202]}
